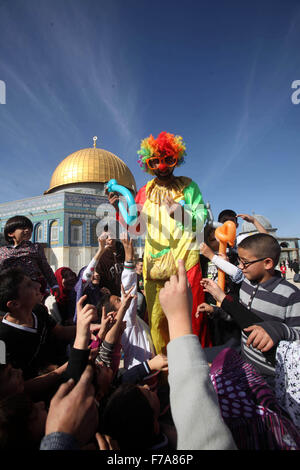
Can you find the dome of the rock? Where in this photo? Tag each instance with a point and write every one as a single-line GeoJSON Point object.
{"type": "Point", "coordinates": [90, 165]}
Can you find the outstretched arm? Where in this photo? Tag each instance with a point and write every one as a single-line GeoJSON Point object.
{"type": "Point", "coordinates": [80, 352]}
{"type": "Point", "coordinates": [233, 271]}
{"type": "Point", "coordinates": [254, 221]}
{"type": "Point", "coordinates": [129, 279]}
{"type": "Point", "coordinates": [88, 272]}
{"type": "Point", "coordinates": [114, 333]}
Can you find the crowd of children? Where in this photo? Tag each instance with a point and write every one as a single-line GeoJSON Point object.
{"type": "Point", "coordinates": [81, 370]}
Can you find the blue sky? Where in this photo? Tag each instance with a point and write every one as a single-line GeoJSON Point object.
{"type": "Point", "coordinates": [219, 73]}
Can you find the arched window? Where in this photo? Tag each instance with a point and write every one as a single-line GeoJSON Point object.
{"type": "Point", "coordinates": [54, 231]}
{"type": "Point", "coordinates": [94, 237]}
{"type": "Point", "coordinates": [38, 233]}
{"type": "Point", "coordinates": [76, 232]}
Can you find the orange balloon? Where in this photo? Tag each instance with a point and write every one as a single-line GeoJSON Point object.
{"type": "Point", "coordinates": [225, 234]}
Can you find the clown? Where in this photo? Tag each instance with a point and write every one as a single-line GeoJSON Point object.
{"type": "Point", "coordinates": [166, 203]}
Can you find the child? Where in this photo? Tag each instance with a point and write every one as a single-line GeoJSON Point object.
{"type": "Point", "coordinates": [23, 332]}
{"type": "Point", "coordinates": [28, 335]}
{"type": "Point", "coordinates": [221, 324]}
{"type": "Point", "coordinates": [189, 380]}
{"type": "Point", "coordinates": [110, 265]}
{"type": "Point", "coordinates": [89, 280]}
{"type": "Point", "coordinates": [136, 340]}
{"type": "Point", "coordinates": [21, 252]}
{"type": "Point", "coordinates": [208, 268]}
{"type": "Point", "coordinates": [228, 214]}
{"type": "Point", "coordinates": [62, 307]}
{"type": "Point", "coordinates": [270, 297]}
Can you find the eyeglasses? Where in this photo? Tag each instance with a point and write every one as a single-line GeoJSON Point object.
{"type": "Point", "coordinates": [245, 264]}
{"type": "Point", "coordinates": [154, 162]}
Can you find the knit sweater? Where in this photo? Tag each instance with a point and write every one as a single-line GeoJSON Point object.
{"type": "Point", "coordinates": [277, 303]}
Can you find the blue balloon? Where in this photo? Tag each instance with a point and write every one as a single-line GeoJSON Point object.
{"type": "Point", "coordinates": [129, 217]}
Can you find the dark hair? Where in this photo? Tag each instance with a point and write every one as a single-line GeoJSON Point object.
{"type": "Point", "coordinates": [128, 418]}
{"type": "Point", "coordinates": [3, 368]}
{"type": "Point", "coordinates": [120, 250]}
{"type": "Point", "coordinates": [226, 213]}
{"type": "Point", "coordinates": [262, 245]}
{"type": "Point", "coordinates": [15, 414]}
{"type": "Point", "coordinates": [18, 221]}
{"type": "Point", "coordinates": [208, 229]}
{"type": "Point", "coordinates": [10, 280]}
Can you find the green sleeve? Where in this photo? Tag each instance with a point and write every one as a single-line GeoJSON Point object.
{"type": "Point", "coordinates": [195, 205]}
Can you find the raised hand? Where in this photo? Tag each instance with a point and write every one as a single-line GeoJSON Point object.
{"type": "Point", "coordinates": [172, 207]}
{"type": "Point", "coordinates": [206, 251]}
{"type": "Point", "coordinates": [158, 362]}
{"type": "Point", "coordinates": [259, 338]}
{"type": "Point", "coordinates": [116, 331]}
{"type": "Point", "coordinates": [127, 298]}
{"type": "Point", "coordinates": [107, 321]}
{"type": "Point", "coordinates": [176, 301]}
{"type": "Point", "coordinates": [85, 316]}
{"type": "Point", "coordinates": [73, 409]}
{"type": "Point", "coordinates": [128, 246]}
{"type": "Point", "coordinates": [113, 199]}
{"type": "Point", "coordinates": [102, 241]}
{"type": "Point", "coordinates": [204, 308]}
{"type": "Point", "coordinates": [212, 287]}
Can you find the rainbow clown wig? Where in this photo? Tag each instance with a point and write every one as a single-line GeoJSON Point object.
{"type": "Point", "coordinates": [165, 144]}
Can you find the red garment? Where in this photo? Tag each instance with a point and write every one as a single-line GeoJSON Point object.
{"type": "Point", "coordinates": [200, 325]}
{"type": "Point", "coordinates": [64, 295]}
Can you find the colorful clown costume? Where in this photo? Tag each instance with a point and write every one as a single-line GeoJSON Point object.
{"type": "Point", "coordinates": [166, 239]}
{"type": "Point", "coordinates": [165, 243]}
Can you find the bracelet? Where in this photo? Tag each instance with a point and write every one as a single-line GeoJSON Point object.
{"type": "Point", "coordinates": [129, 265]}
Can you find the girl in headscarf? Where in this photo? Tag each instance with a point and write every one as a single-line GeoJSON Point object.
{"type": "Point", "coordinates": [62, 307]}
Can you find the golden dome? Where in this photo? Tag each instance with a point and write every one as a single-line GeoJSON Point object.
{"type": "Point", "coordinates": [91, 165]}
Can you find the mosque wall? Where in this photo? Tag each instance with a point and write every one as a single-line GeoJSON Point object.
{"type": "Point", "coordinates": [64, 223]}
{"type": "Point", "coordinates": [72, 213]}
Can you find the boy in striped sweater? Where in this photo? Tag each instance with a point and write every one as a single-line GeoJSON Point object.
{"type": "Point", "coordinates": [267, 295]}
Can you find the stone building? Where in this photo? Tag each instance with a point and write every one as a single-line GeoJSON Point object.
{"type": "Point", "coordinates": [289, 245]}
{"type": "Point", "coordinates": [69, 213]}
